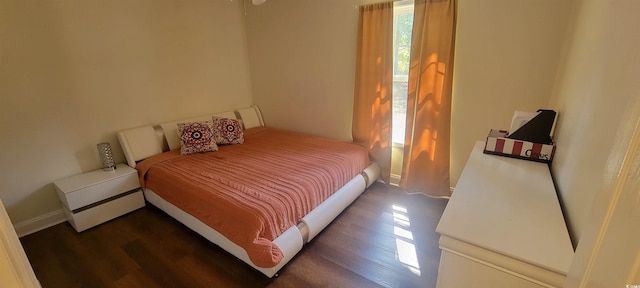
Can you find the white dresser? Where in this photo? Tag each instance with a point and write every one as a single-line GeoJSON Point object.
{"type": "Point", "coordinates": [98, 196]}
{"type": "Point", "coordinates": [503, 227]}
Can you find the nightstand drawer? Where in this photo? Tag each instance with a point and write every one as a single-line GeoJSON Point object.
{"type": "Point", "coordinates": [82, 190]}
{"type": "Point", "coordinates": [103, 212]}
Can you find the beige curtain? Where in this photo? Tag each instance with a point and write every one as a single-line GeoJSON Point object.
{"type": "Point", "coordinates": [425, 166]}
{"type": "Point", "coordinates": [374, 79]}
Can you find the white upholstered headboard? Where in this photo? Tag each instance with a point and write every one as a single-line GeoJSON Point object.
{"type": "Point", "coordinates": [142, 142]}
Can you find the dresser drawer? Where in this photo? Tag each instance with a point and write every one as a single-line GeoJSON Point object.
{"type": "Point", "coordinates": [82, 190]}
{"type": "Point", "coordinates": [106, 211]}
{"type": "Point", "coordinates": [97, 196]}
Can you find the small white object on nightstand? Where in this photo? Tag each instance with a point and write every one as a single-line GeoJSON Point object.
{"type": "Point", "coordinates": [98, 196]}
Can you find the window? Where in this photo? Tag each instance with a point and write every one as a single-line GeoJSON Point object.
{"type": "Point", "coordinates": [402, 26]}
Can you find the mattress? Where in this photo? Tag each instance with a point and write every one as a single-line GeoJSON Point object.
{"type": "Point", "coordinates": [251, 193]}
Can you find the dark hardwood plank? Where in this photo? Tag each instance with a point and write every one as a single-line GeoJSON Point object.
{"type": "Point", "coordinates": [159, 266]}
{"type": "Point", "coordinates": [138, 278]}
{"type": "Point", "coordinates": [386, 238]}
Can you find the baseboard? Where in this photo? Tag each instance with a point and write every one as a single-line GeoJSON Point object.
{"type": "Point", "coordinates": [41, 222]}
{"type": "Point", "coordinates": [394, 179]}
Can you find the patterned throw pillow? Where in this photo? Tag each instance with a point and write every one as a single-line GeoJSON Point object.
{"type": "Point", "coordinates": [227, 131]}
{"type": "Point", "coordinates": [196, 137]}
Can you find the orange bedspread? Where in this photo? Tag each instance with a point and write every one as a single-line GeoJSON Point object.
{"type": "Point", "coordinates": [253, 192]}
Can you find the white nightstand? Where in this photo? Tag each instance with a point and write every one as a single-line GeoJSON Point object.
{"type": "Point", "coordinates": [98, 196]}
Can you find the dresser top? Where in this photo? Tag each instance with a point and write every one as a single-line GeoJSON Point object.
{"type": "Point", "coordinates": [84, 180]}
{"type": "Point", "coordinates": [509, 206]}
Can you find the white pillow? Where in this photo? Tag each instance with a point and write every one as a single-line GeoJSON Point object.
{"type": "Point", "coordinates": [226, 114]}
{"type": "Point", "coordinates": [139, 143]}
{"type": "Point", "coordinates": [251, 117]}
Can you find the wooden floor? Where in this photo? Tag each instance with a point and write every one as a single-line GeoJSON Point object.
{"type": "Point", "coordinates": [384, 239]}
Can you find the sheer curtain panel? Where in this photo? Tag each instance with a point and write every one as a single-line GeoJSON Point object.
{"type": "Point", "coordinates": [374, 79]}
{"type": "Point", "coordinates": [425, 166]}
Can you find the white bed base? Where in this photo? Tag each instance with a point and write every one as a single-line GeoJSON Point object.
{"type": "Point", "coordinates": [292, 240]}
{"type": "Point", "coordinates": [142, 142]}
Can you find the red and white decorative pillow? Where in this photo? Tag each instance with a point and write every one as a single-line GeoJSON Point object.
{"type": "Point", "coordinates": [196, 137]}
{"type": "Point", "coordinates": [227, 131]}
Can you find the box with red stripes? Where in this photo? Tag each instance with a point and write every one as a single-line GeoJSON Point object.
{"type": "Point", "coordinates": [498, 144]}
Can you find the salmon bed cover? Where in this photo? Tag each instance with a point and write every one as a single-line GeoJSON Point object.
{"type": "Point", "coordinates": [253, 192]}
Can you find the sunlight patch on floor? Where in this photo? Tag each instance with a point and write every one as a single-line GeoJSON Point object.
{"type": "Point", "coordinates": [405, 247]}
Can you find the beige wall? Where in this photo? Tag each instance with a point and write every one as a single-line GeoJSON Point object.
{"type": "Point", "coordinates": [596, 91]}
{"type": "Point", "coordinates": [506, 60]}
{"type": "Point", "coordinates": [74, 72]}
{"type": "Point", "coordinates": [302, 56]}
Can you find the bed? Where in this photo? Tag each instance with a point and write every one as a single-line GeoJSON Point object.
{"type": "Point", "coordinates": [261, 200]}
